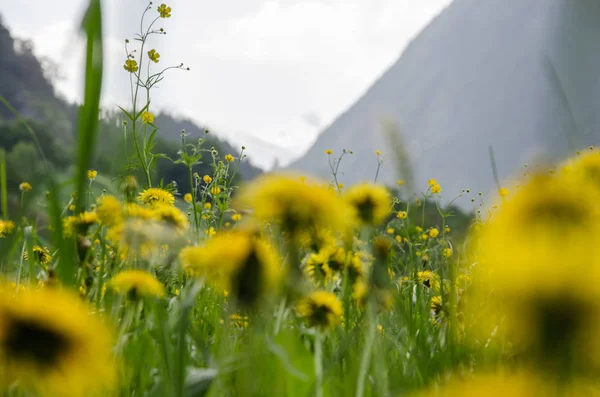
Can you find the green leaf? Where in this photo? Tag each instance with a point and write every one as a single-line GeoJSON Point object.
{"type": "Point", "coordinates": [198, 381]}
{"type": "Point", "coordinates": [126, 113]}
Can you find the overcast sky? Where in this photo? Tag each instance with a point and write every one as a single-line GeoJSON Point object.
{"type": "Point", "coordinates": [276, 70]}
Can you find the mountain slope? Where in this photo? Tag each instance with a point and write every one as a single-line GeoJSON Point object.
{"type": "Point", "coordinates": [517, 76]}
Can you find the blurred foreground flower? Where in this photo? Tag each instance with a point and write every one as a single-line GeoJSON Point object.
{"type": "Point", "coordinates": [320, 309]}
{"type": "Point", "coordinates": [137, 284]}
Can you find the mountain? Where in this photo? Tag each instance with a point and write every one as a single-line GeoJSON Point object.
{"type": "Point", "coordinates": [519, 76]}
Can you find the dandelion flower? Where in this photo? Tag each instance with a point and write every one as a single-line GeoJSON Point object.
{"type": "Point", "coordinates": [371, 203]}
{"type": "Point", "coordinates": [238, 262]}
{"type": "Point", "coordinates": [429, 279]}
{"type": "Point", "coordinates": [41, 255]}
{"type": "Point", "coordinates": [320, 309]}
{"type": "Point", "coordinates": [172, 216]}
{"type": "Point", "coordinates": [25, 187]}
{"type": "Point", "coordinates": [136, 284]}
{"type": "Point", "coordinates": [156, 195]}
{"type": "Point", "coordinates": [6, 228]}
{"type": "Point", "coordinates": [402, 214]}
{"type": "Point", "coordinates": [50, 343]}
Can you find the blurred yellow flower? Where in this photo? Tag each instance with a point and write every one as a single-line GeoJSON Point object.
{"type": "Point", "coordinates": [6, 227]}
{"type": "Point", "coordinates": [433, 232]}
{"type": "Point", "coordinates": [328, 151]}
{"type": "Point", "coordinates": [207, 206]}
{"type": "Point", "coordinates": [236, 217]}
{"type": "Point", "coordinates": [137, 284]}
{"type": "Point", "coordinates": [215, 190]}
{"type": "Point", "coordinates": [25, 187]}
{"type": "Point", "coordinates": [207, 179]}
{"type": "Point", "coordinates": [187, 198]}
{"type": "Point", "coordinates": [229, 158]}
{"type": "Point", "coordinates": [210, 231]}
{"type": "Point", "coordinates": [92, 174]}
{"type": "Point", "coordinates": [429, 279]}
{"type": "Point", "coordinates": [51, 344]}
{"type": "Point", "coordinates": [503, 192]}
{"type": "Point", "coordinates": [378, 152]}
{"type": "Point", "coordinates": [147, 117]}
{"type": "Point", "coordinates": [400, 182]}
{"type": "Point", "coordinates": [402, 214]}
{"type": "Point", "coordinates": [371, 203]}
{"type": "Point", "coordinates": [320, 309]}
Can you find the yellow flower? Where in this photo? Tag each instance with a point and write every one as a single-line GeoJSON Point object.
{"type": "Point", "coordinates": [79, 224]}
{"type": "Point", "coordinates": [432, 182]}
{"type": "Point", "coordinates": [297, 206]}
{"type": "Point", "coordinates": [239, 262]}
{"type": "Point", "coordinates": [447, 252]}
{"type": "Point", "coordinates": [188, 198]}
{"type": "Point", "coordinates": [92, 174]}
{"type": "Point", "coordinates": [402, 214]}
{"type": "Point", "coordinates": [156, 195]}
{"type": "Point", "coordinates": [215, 190]}
{"type": "Point", "coordinates": [340, 186]}
{"type": "Point", "coordinates": [210, 231]}
{"type": "Point", "coordinates": [25, 187]}
{"type": "Point", "coordinates": [328, 151]}
{"type": "Point", "coordinates": [172, 216]}
{"type": "Point", "coordinates": [447, 229]}
{"type": "Point", "coordinates": [236, 217]}
{"type": "Point", "coordinates": [6, 228]}
{"type": "Point", "coordinates": [424, 237]}
{"type": "Point", "coordinates": [229, 158]}
{"type": "Point", "coordinates": [153, 55]}
{"type": "Point", "coordinates": [371, 203]}
{"type": "Point", "coordinates": [433, 232]}
{"type": "Point", "coordinates": [41, 255]}
{"type": "Point", "coordinates": [378, 152]}
{"type": "Point", "coordinates": [164, 11]}
{"type": "Point", "coordinates": [436, 189]}
{"type": "Point", "coordinates": [320, 309]}
{"type": "Point", "coordinates": [136, 284]}
{"type": "Point", "coordinates": [52, 345]}
{"type": "Point", "coordinates": [239, 320]}
{"type": "Point", "coordinates": [207, 179]}
{"type": "Point", "coordinates": [503, 192]}
{"type": "Point", "coordinates": [131, 65]}
{"type": "Point", "coordinates": [147, 117]}
{"type": "Point", "coordinates": [400, 182]}
{"type": "Point", "coordinates": [390, 230]}
{"type": "Point", "coordinates": [419, 229]}
{"type": "Point", "coordinates": [429, 279]}
{"type": "Point", "coordinates": [207, 206]}
{"type": "Point", "coordinates": [317, 268]}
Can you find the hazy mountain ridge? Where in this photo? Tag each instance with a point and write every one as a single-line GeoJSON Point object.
{"type": "Point", "coordinates": [479, 75]}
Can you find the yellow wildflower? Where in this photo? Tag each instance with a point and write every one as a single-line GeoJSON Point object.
{"type": "Point", "coordinates": [402, 214]}
{"type": "Point", "coordinates": [147, 117]}
{"type": "Point", "coordinates": [236, 217]}
{"type": "Point", "coordinates": [156, 195]}
{"type": "Point", "coordinates": [92, 174]}
{"type": "Point", "coordinates": [153, 55]}
{"type": "Point", "coordinates": [433, 232]}
{"type": "Point", "coordinates": [25, 187]}
{"type": "Point", "coordinates": [321, 309]}
{"type": "Point", "coordinates": [210, 231]}
{"type": "Point", "coordinates": [137, 283]}
{"type": "Point", "coordinates": [328, 151]}
{"type": "Point", "coordinates": [207, 179]}
{"type": "Point", "coordinates": [164, 11]}
{"type": "Point", "coordinates": [371, 203]}
{"type": "Point", "coordinates": [215, 190]}
{"type": "Point", "coordinates": [188, 198]}
{"type": "Point", "coordinates": [131, 65]}
{"type": "Point", "coordinates": [229, 158]}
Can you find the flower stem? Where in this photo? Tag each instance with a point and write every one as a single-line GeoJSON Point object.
{"type": "Point", "coordinates": [319, 364]}
{"type": "Point", "coordinates": [366, 354]}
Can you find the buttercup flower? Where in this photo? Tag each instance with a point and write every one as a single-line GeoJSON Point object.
{"type": "Point", "coordinates": [153, 55]}
{"type": "Point", "coordinates": [229, 158]}
{"type": "Point", "coordinates": [131, 66]}
{"type": "Point", "coordinates": [92, 174]}
{"type": "Point", "coordinates": [25, 187]}
{"type": "Point", "coordinates": [147, 117]}
{"type": "Point", "coordinates": [164, 11]}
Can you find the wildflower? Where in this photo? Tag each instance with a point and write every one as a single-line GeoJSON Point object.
{"type": "Point", "coordinates": [156, 195]}
{"type": "Point", "coordinates": [429, 279]}
{"type": "Point", "coordinates": [137, 284]}
{"type": "Point", "coordinates": [164, 11]}
{"type": "Point", "coordinates": [147, 117]}
{"type": "Point", "coordinates": [419, 229]}
{"type": "Point", "coordinates": [390, 230]}
{"type": "Point", "coordinates": [50, 343]}
{"type": "Point", "coordinates": [215, 190]}
{"type": "Point", "coordinates": [236, 217]}
{"type": "Point", "coordinates": [424, 237]}
{"type": "Point", "coordinates": [340, 186]}
{"type": "Point", "coordinates": [432, 182]}
{"type": "Point", "coordinates": [238, 262]}
{"type": "Point", "coordinates": [207, 179]}
{"type": "Point", "coordinates": [371, 203]}
{"type": "Point", "coordinates": [131, 66]}
{"type": "Point", "coordinates": [188, 198]}
{"type": "Point", "coordinates": [239, 320]}
{"type": "Point", "coordinates": [172, 216]}
{"type": "Point", "coordinates": [320, 309]}
{"type": "Point", "coordinates": [6, 228]}
{"type": "Point", "coordinates": [207, 206]}
{"type": "Point", "coordinates": [79, 224]}
{"type": "Point", "coordinates": [328, 151]}
{"type": "Point", "coordinates": [317, 268]}
{"type": "Point", "coordinates": [41, 255]}
{"type": "Point", "coordinates": [378, 152]}
{"type": "Point", "coordinates": [433, 232]}
{"type": "Point", "coordinates": [447, 252]}
{"type": "Point", "coordinates": [400, 182]}
{"type": "Point", "coordinates": [25, 187]}
{"type": "Point", "coordinates": [402, 214]}
{"type": "Point", "coordinates": [297, 206]}
{"type": "Point", "coordinates": [229, 158]}
{"type": "Point", "coordinates": [153, 55]}
{"type": "Point", "coordinates": [210, 231]}
{"type": "Point", "coordinates": [92, 174]}
{"type": "Point", "coordinates": [447, 229]}
{"type": "Point", "coordinates": [503, 192]}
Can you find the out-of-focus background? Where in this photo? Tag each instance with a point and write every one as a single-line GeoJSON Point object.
{"type": "Point", "coordinates": [290, 78]}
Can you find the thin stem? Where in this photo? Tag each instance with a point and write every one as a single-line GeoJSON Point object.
{"type": "Point", "coordinates": [366, 354]}
{"type": "Point", "coordinates": [319, 364]}
{"type": "Point", "coordinates": [280, 313]}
